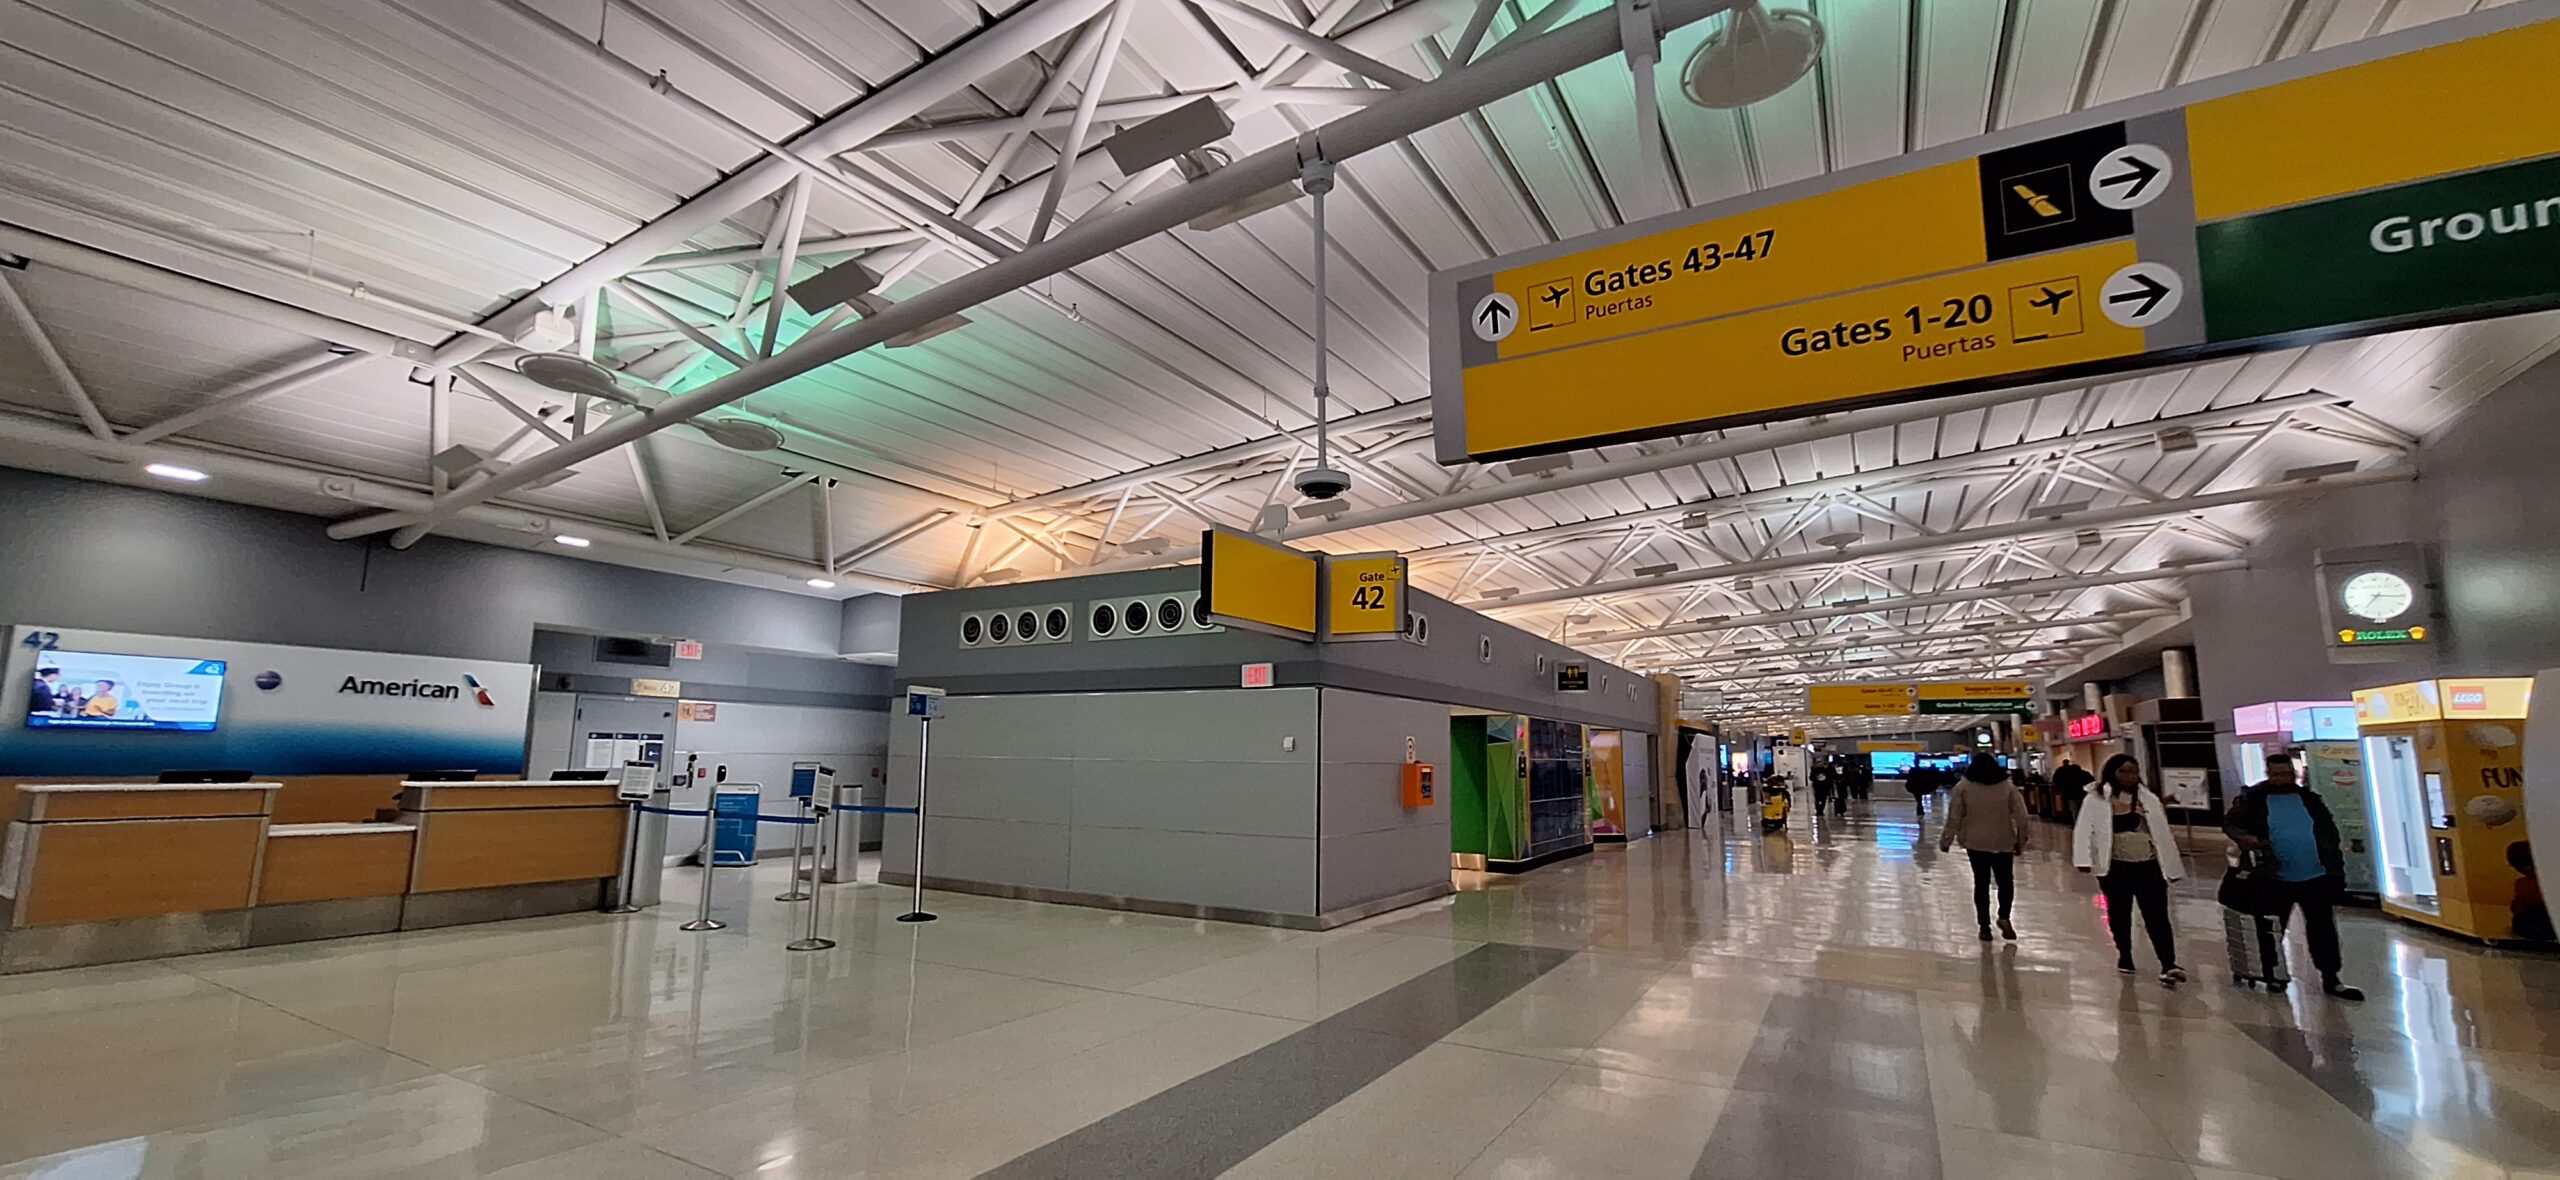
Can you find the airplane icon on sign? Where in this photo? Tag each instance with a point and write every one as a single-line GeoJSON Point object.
{"type": "Point", "coordinates": [2044, 309]}
{"type": "Point", "coordinates": [1551, 304]}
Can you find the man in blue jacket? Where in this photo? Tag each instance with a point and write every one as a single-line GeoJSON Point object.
{"type": "Point", "coordinates": [2299, 835]}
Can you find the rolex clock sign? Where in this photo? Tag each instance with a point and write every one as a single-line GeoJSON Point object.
{"type": "Point", "coordinates": [2378, 602]}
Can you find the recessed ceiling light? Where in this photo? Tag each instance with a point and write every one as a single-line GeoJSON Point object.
{"type": "Point", "coordinates": [173, 471]}
{"type": "Point", "coordinates": [821, 584]}
{"type": "Point", "coordinates": [572, 542]}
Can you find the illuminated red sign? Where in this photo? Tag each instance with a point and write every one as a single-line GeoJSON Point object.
{"type": "Point", "coordinates": [2093, 725]}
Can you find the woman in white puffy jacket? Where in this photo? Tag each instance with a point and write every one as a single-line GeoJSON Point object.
{"type": "Point", "coordinates": [2123, 836]}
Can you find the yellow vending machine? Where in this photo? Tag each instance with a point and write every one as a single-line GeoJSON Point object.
{"type": "Point", "coordinates": [2444, 778]}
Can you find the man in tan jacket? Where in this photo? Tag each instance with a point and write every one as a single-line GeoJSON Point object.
{"type": "Point", "coordinates": [1989, 817]}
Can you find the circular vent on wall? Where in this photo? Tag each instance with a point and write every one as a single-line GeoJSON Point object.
{"type": "Point", "coordinates": [1054, 624]}
{"type": "Point", "coordinates": [1106, 619]}
{"type": "Point", "coordinates": [972, 630]}
{"type": "Point", "coordinates": [1200, 612]}
{"type": "Point", "coordinates": [998, 629]}
{"type": "Point", "coordinates": [1027, 625]}
{"type": "Point", "coordinates": [1134, 617]}
{"type": "Point", "coordinates": [1169, 614]}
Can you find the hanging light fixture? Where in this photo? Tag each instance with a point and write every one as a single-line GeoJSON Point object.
{"type": "Point", "coordinates": [1756, 55]}
{"type": "Point", "coordinates": [572, 374]}
{"type": "Point", "coordinates": [1322, 481]}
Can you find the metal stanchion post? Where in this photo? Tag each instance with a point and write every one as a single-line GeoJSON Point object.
{"type": "Point", "coordinates": [924, 745]}
{"type": "Point", "coordinates": [811, 941]}
{"type": "Point", "coordinates": [702, 919]}
{"type": "Point", "coordinates": [626, 890]}
{"type": "Point", "coordinates": [799, 843]}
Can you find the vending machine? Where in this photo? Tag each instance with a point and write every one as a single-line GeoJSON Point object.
{"type": "Point", "coordinates": [2444, 781]}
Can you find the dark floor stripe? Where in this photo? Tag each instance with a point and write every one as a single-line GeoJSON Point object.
{"type": "Point", "coordinates": [1837, 1084]}
{"type": "Point", "coordinates": [1215, 1121]}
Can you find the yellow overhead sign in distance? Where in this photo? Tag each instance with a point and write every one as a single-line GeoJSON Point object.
{"type": "Point", "coordinates": [1903, 699]}
{"type": "Point", "coordinates": [1257, 585]}
{"type": "Point", "coordinates": [1993, 691]}
{"type": "Point", "coordinates": [2400, 181]}
{"type": "Point", "coordinates": [1861, 700]}
{"type": "Point", "coordinates": [1364, 596]}
{"type": "Point", "coordinates": [1874, 747]}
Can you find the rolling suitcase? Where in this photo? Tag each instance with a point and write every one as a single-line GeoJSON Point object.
{"type": "Point", "coordinates": [2256, 944]}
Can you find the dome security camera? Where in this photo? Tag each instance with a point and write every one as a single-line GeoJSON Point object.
{"type": "Point", "coordinates": [1322, 483]}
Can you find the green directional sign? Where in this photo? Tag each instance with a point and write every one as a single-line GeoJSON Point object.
{"type": "Point", "coordinates": [2473, 243]}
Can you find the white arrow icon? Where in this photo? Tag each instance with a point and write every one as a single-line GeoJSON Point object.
{"type": "Point", "coordinates": [1494, 317]}
{"type": "Point", "coordinates": [2142, 294]}
{"type": "Point", "coordinates": [2131, 176]}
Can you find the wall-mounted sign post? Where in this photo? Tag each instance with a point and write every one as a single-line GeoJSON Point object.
{"type": "Point", "coordinates": [2407, 180]}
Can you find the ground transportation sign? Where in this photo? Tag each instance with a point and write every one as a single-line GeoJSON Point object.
{"type": "Point", "coordinates": [2401, 181]}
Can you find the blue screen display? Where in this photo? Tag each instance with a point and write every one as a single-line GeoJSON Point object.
{"type": "Point", "coordinates": [97, 690]}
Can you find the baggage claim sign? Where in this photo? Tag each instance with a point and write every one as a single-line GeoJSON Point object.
{"type": "Point", "coordinates": [2402, 181]}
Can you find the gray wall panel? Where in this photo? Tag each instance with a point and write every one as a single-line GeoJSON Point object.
{"type": "Point", "coordinates": [1269, 873]}
{"type": "Point", "coordinates": [1374, 846]}
{"type": "Point", "coordinates": [1449, 669]}
{"type": "Point", "coordinates": [999, 851]}
{"type": "Point", "coordinates": [1364, 744]}
{"type": "Point", "coordinates": [2483, 502]}
{"type": "Point", "coordinates": [1366, 866]}
{"type": "Point", "coordinates": [1226, 725]}
{"type": "Point", "coordinates": [165, 564]}
{"type": "Point", "coordinates": [1031, 790]}
{"type": "Point", "coordinates": [1236, 798]}
{"type": "Point", "coordinates": [810, 679]}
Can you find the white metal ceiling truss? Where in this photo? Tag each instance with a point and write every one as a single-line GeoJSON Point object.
{"type": "Point", "coordinates": [302, 243]}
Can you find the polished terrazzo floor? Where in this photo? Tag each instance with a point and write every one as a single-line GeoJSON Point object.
{"type": "Point", "coordinates": [1717, 1004]}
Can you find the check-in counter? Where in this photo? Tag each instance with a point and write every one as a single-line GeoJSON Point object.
{"type": "Point", "coordinates": [104, 872]}
{"type": "Point", "coordinates": [93, 872]}
{"type": "Point", "coordinates": [509, 849]}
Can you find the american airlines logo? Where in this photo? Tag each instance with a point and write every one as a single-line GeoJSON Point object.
{"type": "Point", "coordinates": [418, 690]}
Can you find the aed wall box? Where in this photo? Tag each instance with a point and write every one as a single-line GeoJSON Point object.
{"type": "Point", "coordinates": [1418, 784]}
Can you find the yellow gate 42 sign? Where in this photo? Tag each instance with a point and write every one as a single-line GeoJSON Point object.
{"type": "Point", "coordinates": [1364, 596]}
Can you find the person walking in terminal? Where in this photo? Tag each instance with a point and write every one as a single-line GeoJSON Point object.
{"type": "Point", "coordinates": [2295, 828]}
{"type": "Point", "coordinates": [1989, 817]}
{"type": "Point", "coordinates": [2123, 836]}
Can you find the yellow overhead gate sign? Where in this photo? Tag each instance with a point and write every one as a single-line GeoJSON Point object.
{"type": "Point", "coordinates": [1262, 585]}
{"type": "Point", "coordinates": [2405, 180]}
{"type": "Point", "coordinates": [1364, 596]}
{"type": "Point", "coordinates": [1964, 697]}
{"type": "Point", "coordinates": [1258, 585]}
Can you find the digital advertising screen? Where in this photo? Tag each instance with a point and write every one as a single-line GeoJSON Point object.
{"type": "Point", "coordinates": [1892, 763]}
{"type": "Point", "coordinates": [95, 690]}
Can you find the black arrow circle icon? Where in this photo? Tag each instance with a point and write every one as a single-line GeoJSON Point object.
{"type": "Point", "coordinates": [2145, 288]}
{"type": "Point", "coordinates": [1491, 316]}
{"type": "Point", "coordinates": [2138, 173]}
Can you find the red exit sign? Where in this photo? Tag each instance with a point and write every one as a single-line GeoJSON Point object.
{"type": "Point", "coordinates": [2093, 725]}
